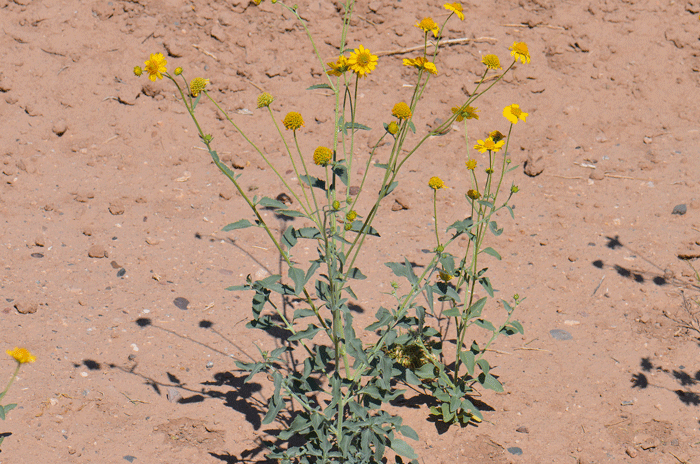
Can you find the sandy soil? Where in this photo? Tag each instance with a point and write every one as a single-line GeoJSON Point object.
{"type": "Point", "coordinates": [134, 348]}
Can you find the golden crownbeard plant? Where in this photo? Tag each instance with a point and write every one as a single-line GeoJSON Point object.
{"type": "Point", "coordinates": [329, 384]}
{"type": "Point", "coordinates": [21, 356]}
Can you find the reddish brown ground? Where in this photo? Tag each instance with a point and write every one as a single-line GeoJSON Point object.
{"type": "Point", "coordinates": [612, 92]}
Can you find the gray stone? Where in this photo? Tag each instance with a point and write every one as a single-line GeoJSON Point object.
{"type": "Point", "coordinates": [559, 334]}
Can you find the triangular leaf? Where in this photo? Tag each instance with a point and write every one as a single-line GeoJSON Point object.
{"type": "Point", "coordinates": [242, 224]}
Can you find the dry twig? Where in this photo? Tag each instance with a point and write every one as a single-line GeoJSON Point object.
{"type": "Point", "coordinates": [462, 40]}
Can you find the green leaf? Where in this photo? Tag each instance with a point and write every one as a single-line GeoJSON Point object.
{"type": "Point", "coordinates": [196, 101]}
{"type": "Point", "coordinates": [494, 228]}
{"type": "Point", "coordinates": [412, 126]}
{"type": "Point", "coordinates": [270, 203]}
{"type": "Point", "coordinates": [461, 227]}
{"type": "Point", "coordinates": [403, 448]}
{"type": "Point", "coordinates": [355, 273]}
{"type": "Point", "coordinates": [309, 333]}
{"type": "Point", "coordinates": [10, 407]}
{"type": "Point", "coordinates": [486, 283]}
{"type": "Point", "coordinates": [486, 204]}
{"type": "Point", "coordinates": [356, 226]}
{"type": "Point", "coordinates": [349, 125]}
{"type": "Point", "coordinates": [2, 412]}
{"type": "Point", "coordinates": [492, 252]}
{"type": "Point", "coordinates": [490, 382]}
{"type": "Point", "coordinates": [484, 324]}
{"type": "Point", "coordinates": [381, 166]}
{"type": "Point", "coordinates": [320, 86]}
{"type": "Point", "coordinates": [274, 406]}
{"type": "Point", "coordinates": [390, 188]}
{"type": "Point", "coordinates": [298, 276]}
{"type": "Point", "coordinates": [237, 288]}
{"type": "Point", "coordinates": [289, 238]}
{"type": "Point", "coordinates": [452, 312]}
{"type": "Point", "coordinates": [308, 232]}
{"type": "Point", "coordinates": [467, 357]}
{"type": "Point", "coordinates": [408, 432]}
{"type": "Point", "coordinates": [290, 213]}
{"type": "Point", "coordinates": [475, 309]}
{"type": "Point", "coordinates": [342, 172]}
{"type": "Point", "coordinates": [312, 181]}
{"type": "Point", "coordinates": [403, 270]}
{"type": "Point", "coordinates": [242, 224]}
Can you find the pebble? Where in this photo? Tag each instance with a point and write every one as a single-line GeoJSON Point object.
{"type": "Point", "coordinates": [87, 231]}
{"type": "Point", "coordinates": [129, 458]}
{"type": "Point", "coordinates": [60, 127]}
{"type": "Point", "coordinates": [534, 164]}
{"type": "Point", "coordinates": [116, 209]}
{"type": "Point", "coordinates": [597, 175]}
{"type": "Point", "coordinates": [181, 302]}
{"type": "Point", "coordinates": [26, 307]}
{"type": "Point", "coordinates": [559, 334]}
{"type": "Point", "coordinates": [40, 241]}
{"type": "Point", "coordinates": [97, 251]}
{"type": "Point", "coordinates": [522, 430]}
{"type": "Point", "coordinates": [114, 264]}
{"type": "Point", "coordinates": [37, 255]}
{"type": "Point", "coordinates": [354, 190]}
{"type": "Point", "coordinates": [515, 450]}
{"type": "Point", "coordinates": [399, 204]}
{"type": "Point", "coordinates": [210, 364]}
{"type": "Point", "coordinates": [680, 209]}
{"type": "Point", "coordinates": [173, 395]}
{"type": "Point", "coordinates": [631, 452]}
{"type": "Point", "coordinates": [121, 272]}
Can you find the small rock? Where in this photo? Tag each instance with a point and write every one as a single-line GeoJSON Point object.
{"type": "Point", "coordinates": [210, 364]}
{"type": "Point", "coordinates": [97, 251]}
{"type": "Point", "coordinates": [218, 33]}
{"type": "Point", "coordinates": [60, 127]}
{"type": "Point", "coordinates": [152, 241]}
{"type": "Point", "coordinates": [40, 241]}
{"type": "Point", "coordinates": [181, 302]}
{"type": "Point", "coordinates": [224, 195]}
{"type": "Point", "coordinates": [37, 255]}
{"type": "Point", "coordinates": [631, 452]}
{"type": "Point", "coordinates": [26, 307]}
{"type": "Point", "coordinates": [173, 395]}
{"type": "Point", "coordinates": [650, 443]}
{"type": "Point", "coordinates": [354, 190]}
{"type": "Point", "coordinates": [522, 430]}
{"type": "Point", "coordinates": [680, 209]}
{"type": "Point", "coordinates": [116, 208]}
{"type": "Point", "coordinates": [534, 165]}
{"type": "Point", "coordinates": [129, 458]}
{"type": "Point", "coordinates": [284, 198]}
{"type": "Point", "coordinates": [399, 204]}
{"type": "Point", "coordinates": [87, 231]}
{"type": "Point", "coordinates": [573, 258]}
{"type": "Point", "coordinates": [121, 272]}
{"type": "Point", "coordinates": [560, 334]}
{"type": "Point", "coordinates": [515, 450]}
{"type": "Point", "coordinates": [597, 175]}
{"type": "Point", "coordinates": [114, 264]}
{"type": "Point", "coordinates": [647, 140]}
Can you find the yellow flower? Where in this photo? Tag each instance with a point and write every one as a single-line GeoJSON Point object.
{"type": "Point", "coordinates": [519, 52]}
{"type": "Point", "coordinates": [455, 8]}
{"type": "Point", "coordinates": [471, 164]}
{"type": "Point", "coordinates": [339, 67]}
{"type": "Point", "coordinates": [265, 99]}
{"type": "Point", "coordinates": [428, 25]}
{"type": "Point", "coordinates": [473, 194]}
{"type": "Point", "coordinates": [466, 113]}
{"type": "Point", "coordinates": [323, 156]}
{"type": "Point", "coordinates": [361, 61]}
{"type": "Point", "coordinates": [138, 71]}
{"type": "Point", "coordinates": [491, 61]}
{"type": "Point", "coordinates": [155, 66]}
{"type": "Point", "coordinates": [496, 136]}
{"type": "Point", "coordinates": [436, 183]}
{"type": "Point", "coordinates": [197, 85]}
{"type": "Point", "coordinates": [421, 63]}
{"type": "Point", "coordinates": [178, 71]}
{"type": "Point", "coordinates": [392, 128]}
{"type": "Point", "coordinates": [293, 121]}
{"type": "Point", "coordinates": [401, 111]}
{"type": "Point", "coordinates": [21, 355]}
{"type": "Point", "coordinates": [488, 144]}
{"type": "Point", "coordinates": [351, 216]}
{"type": "Point", "coordinates": [444, 276]}
{"type": "Point", "coordinates": [514, 189]}
{"type": "Point", "coordinates": [513, 112]}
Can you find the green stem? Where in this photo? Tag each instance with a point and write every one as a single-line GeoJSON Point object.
{"type": "Point", "coordinates": [12, 379]}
